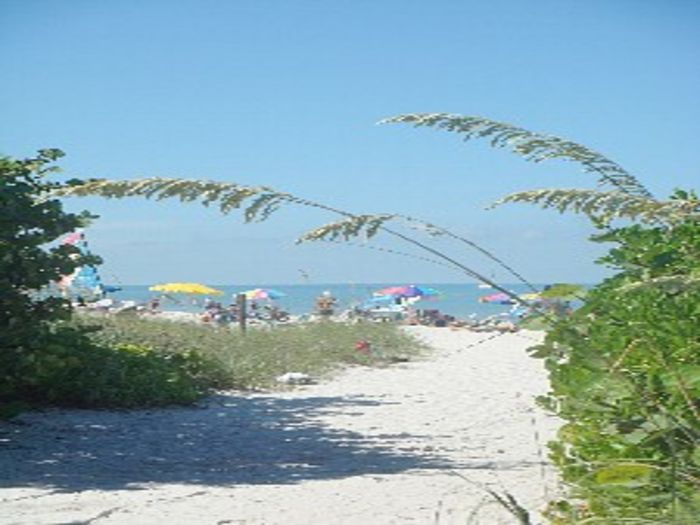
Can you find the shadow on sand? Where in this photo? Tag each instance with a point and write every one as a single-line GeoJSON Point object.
{"type": "Point", "coordinates": [233, 440]}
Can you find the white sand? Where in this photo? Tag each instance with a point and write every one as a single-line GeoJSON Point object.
{"type": "Point", "coordinates": [370, 447]}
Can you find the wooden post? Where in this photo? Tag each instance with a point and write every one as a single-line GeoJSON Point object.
{"type": "Point", "coordinates": [242, 313]}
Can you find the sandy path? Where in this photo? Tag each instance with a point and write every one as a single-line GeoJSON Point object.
{"type": "Point", "coordinates": [377, 446]}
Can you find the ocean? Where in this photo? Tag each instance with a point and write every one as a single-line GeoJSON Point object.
{"type": "Point", "coordinates": [459, 300]}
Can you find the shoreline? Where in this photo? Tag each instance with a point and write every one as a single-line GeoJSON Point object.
{"type": "Point", "coordinates": [460, 300]}
{"type": "Point", "coordinates": [408, 318]}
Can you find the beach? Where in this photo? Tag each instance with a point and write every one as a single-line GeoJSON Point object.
{"type": "Point", "coordinates": [460, 299]}
{"type": "Point", "coordinates": [416, 442]}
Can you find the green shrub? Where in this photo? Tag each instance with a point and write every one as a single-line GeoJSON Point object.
{"type": "Point", "coordinates": [70, 370]}
{"type": "Point", "coordinates": [625, 377]}
{"type": "Point", "coordinates": [253, 360]}
{"type": "Point", "coordinates": [30, 222]}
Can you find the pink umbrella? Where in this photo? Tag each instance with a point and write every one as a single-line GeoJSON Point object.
{"type": "Point", "coordinates": [72, 238]}
{"type": "Point", "coordinates": [263, 293]}
{"type": "Point", "coordinates": [498, 298]}
{"type": "Point", "coordinates": [407, 291]}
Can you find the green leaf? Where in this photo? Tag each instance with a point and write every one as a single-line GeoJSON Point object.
{"type": "Point", "coordinates": [563, 291]}
{"type": "Point", "coordinates": [627, 475]}
{"type": "Point", "coordinates": [684, 376]}
{"type": "Point", "coordinates": [696, 456]}
{"type": "Point", "coordinates": [635, 437]}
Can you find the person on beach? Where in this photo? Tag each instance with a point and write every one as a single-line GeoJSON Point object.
{"type": "Point", "coordinates": [233, 311]}
{"type": "Point", "coordinates": [254, 310]}
{"type": "Point", "coordinates": [214, 312]}
{"type": "Point", "coordinates": [275, 313]}
{"type": "Point", "coordinates": [325, 304]}
{"type": "Point", "coordinates": [154, 305]}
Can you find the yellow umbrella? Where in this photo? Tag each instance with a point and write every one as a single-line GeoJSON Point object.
{"type": "Point", "coordinates": [185, 288]}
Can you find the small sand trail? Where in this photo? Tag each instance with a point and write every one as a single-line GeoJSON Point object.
{"type": "Point", "coordinates": [411, 443]}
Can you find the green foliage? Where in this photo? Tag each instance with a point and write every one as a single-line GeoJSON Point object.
{"type": "Point", "coordinates": [625, 376]}
{"type": "Point", "coordinates": [41, 360]}
{"type": "Point", "coordinates": [563, 291]}
{"type": "Point", "coordinates": [30, 222]}
{"type": "Point", "coordinates": [128, 362]}
{"type": "Point", "coordinates": [253, 360]}
{"type": "Point", "coordinates": [70, 370]}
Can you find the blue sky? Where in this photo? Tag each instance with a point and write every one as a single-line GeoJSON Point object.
{"type": "Point", "coordinates": [287, 94]}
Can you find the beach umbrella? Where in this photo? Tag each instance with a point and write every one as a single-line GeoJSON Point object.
{"type": "Point", "coordinates": [531, 297]}
{"type": "Point", "coordinates": [496, 298]}
{"type": "Point", "coordinates": [408, 291]}
{"type": "Point", "coordinates": [193, 288]}
{"type": "Point", "coordinates": [263, 293]}
{"type": "Point", "coordinates": [379, 301]}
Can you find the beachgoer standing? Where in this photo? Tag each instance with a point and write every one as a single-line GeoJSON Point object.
{"type": "Point", "coordinates": [154, 304]}
{"type": "Point", "coordinates": [254, 310]}
{"type": "Point", "coordinates": [325, 304]}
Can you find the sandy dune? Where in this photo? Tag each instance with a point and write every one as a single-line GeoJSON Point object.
{"type": "Point", "coordinates": [413, 443]}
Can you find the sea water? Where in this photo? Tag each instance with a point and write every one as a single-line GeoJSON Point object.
{"type": "Point", "coordinates": [459, 300]}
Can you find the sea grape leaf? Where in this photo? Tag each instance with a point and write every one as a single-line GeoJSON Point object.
{"type": "Point", "coordinates": [564, 291]}
{"type": "Point", "coordinates": [627, 475]}
{"type": "Point", "coordinates": [687, 376]}
{"type": "Point", "coordinates": [696, 456]}
{"type": "Point", "coordinates": [635, 437]}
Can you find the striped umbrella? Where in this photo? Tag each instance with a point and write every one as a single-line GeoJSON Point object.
{"type": "Point", "coordinates": [263, 293]}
